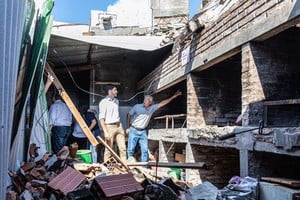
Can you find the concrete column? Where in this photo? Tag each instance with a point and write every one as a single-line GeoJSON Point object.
{"type": "Point", "coordinates": [244, 163]}
{"type": "Point", "coordinates": [245, 143]}
{"type": "Point", "coordinates": [192, 175]}
{"type": "Point", "coordinates": [166, 152]}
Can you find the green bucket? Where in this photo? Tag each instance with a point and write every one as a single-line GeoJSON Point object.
{"type": "Point", "coordinates": [85, 155]}
{"type": "Point", "coordinates": [174, 173]}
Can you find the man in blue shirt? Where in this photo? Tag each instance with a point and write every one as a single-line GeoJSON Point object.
{"type": "Point", "coordinates": [137, 121]}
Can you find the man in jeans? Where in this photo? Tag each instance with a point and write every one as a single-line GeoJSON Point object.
{"type": "Point", "coordinates": [110, 122]}
{"type": "Point", "coordinates": [60, 120]}
{"type": "Point", "coordinates": [137, 121]}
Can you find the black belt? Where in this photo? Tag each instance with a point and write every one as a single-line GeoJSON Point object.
{"type": "Point", "coordinates": [116, 123]}
{"type": "Point", "coordinates": [139, 129]}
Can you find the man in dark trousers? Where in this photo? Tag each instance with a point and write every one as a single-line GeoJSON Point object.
{"type": "Point", "coordinates": [60, 120]}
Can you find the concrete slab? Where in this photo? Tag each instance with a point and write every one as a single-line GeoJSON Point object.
{"type": "Point", "coordinates": [273, 191]}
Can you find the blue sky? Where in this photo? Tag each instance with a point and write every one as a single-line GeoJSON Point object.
{"type": "Point", "coordinates": [78, 11]}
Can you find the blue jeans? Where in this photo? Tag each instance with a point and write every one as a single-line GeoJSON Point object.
{"type": "Point", "coordinates": [59, 137]}
{"type": "Point", "coordinates": [135, 137]}
{"type": "Point", "coordinates": [94, 148]}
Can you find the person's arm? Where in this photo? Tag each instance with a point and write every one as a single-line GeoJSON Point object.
{"type": "Point", "coordinates": [102, 111]}
{"type": "Point", "coordinates": [128, 123]}
{"type": "Point", "coordinates": [102, 123]}
{"type": "Point", "coordinates": [168, 100]}
{"type": "Point", "coordinates": [49, 82]}
{"type": "Point", "coordinates": [128, 120]}
{"type": "Point", "coordinates": [93, 124]}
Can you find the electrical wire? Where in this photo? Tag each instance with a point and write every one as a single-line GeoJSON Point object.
{"type": "Point", "coordinates": [147, 90]}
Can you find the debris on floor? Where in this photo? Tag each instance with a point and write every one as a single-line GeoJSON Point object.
{"type": "Point", "coordinates": [63, 176]}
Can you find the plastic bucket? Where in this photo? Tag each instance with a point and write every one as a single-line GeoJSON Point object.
{"type": "Point", "coordinates": [84, 155]}
{"type": "Point", "coordinates": [174, 173]}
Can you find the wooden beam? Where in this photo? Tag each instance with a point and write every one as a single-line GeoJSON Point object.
{"type": "Point", "coordinates": [197, 165]}
{"type": "Point", "coordinates": [282, 102]}
{"type": "Point", "coordinates": [284, 181]}
{"type": "Point", "coordinates": [71, 106]}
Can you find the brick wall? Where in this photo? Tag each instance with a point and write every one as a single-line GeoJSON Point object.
{"type": "Point", "coordinates": [270, 71]}
{"type": "Point", "coordinates": [268, 164]}
{"type": "Point", "coordinates": [242, 15]}
{"type": "Point", "coordinates": [222, 163]}
{"type": "Point", "coordinates": [214, 95]}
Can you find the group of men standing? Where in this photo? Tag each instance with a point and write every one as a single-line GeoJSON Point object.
{"type": "Point", "coordinates": [138, 119]}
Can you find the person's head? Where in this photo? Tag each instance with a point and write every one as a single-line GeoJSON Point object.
{"type": "Point", "coordinates": [111, 91]}
{"type": "Point", "coordinates": [56, 96]}
{"type": "Point", "coordinates": [148, 100]}
{"type": "Point", "coordinates": [83, 109]}
{"type": "Point", "coordinates": [92, 111]}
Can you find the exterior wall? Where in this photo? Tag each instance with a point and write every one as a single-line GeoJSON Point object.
{"type": "Point", "coordinates": [12, 17]}
{"type": "Point", "coordinates": [164, 21]}
{"type": "Point", "coordinates": [231, 30]}
{"type": "Point", "coordinates": [168, 8]}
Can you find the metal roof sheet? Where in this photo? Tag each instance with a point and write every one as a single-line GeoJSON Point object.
{"type": "Point", "coordinates": [146, 43]}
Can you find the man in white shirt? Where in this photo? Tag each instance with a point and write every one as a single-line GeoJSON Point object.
{"type": "Point", "coordinates": [110, 122]}
{"type": "Point", "coordinates": [60, 120]}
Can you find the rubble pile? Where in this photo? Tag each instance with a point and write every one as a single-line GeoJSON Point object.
{"type": "Point", "coordinates": [61, 176]}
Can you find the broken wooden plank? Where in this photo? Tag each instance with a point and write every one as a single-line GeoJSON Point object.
{"type": "Point", "coordinates": [71, 106]}
{"type": "Point", "coordinates": [284, 181]}
{"type": "Point", "coordinates": [196, 165]}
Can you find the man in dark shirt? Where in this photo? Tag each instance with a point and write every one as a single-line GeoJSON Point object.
{"type": "Point", "coordinates": [92, 122]}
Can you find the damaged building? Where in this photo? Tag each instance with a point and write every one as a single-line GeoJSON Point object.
{"type": "Point", "coordinates": [235, 63]}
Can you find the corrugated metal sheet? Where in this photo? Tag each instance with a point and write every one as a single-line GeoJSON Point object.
{"type": "Point", "coordinates": [11, 23]}
{"type": "Point", "coordinates": [146, 43]}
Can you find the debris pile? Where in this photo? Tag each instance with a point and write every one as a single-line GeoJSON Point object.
{"type": "Point", "coordinates": [62, 176]}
